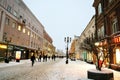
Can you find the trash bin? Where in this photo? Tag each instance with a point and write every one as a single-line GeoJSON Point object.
{"type": "Point", "coordinates": [6, 60]}
{"type": "Point", "coordinates": [17, 60]}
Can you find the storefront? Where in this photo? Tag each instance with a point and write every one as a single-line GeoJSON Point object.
{"type": "Point", "coordinates": [85, 55]}
{"type": "Point", "coordinates": [115, 59]}
{"type": "Point", "coordinates": [90, 57]}
{"type": "Point", "coordinates": [117, 55]}
{"type": "Point", "coordinates": [13, 52]}
{"type": "Point", "coordinates": [3, 49]}
{"type": "Point", "coordinates": [116, 49]}
{"type": "Point", "coordinates": [102, 48]}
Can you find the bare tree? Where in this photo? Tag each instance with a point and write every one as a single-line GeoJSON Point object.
{"type": "Point", "coordinates": [100, 52]}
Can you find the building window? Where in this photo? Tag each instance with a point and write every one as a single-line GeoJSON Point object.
{"type": "Point", "coordinates": [32, 27]}
{"type": "Point", "coordinates": [35, 36]}
{"type": "Point", "coordinates": [115, 26]}
{"type": "Point", "coordinates": [118, 56]}
{"type": "Point", "coordinates": [34, 44]}
{"type": "Point", "coordinates": [7, 22]}
{"type": "Point", "coordinates": [28, 33]}
{"type": "Point", "coordinates": [31, 44]}
{"type": "Point", "coordinates": [98, 33]}
{"type": "Point", "coordinates": [13, 25]}
{"type": "Point", "coordinates": [9, 8]}
{"type": "Point", "coordinates": [17, 1]}
{"type": "Point", "coordinates": [31, 34]}
{"type": "Point", "coordinates": [92, 36]}
{"type": "Point", "coordinates": [29, 25]}
{"type": "Point", "coordinates": [15, 13]}
{"type": "Point", "coordinates": [110, 1]}
{"type": "Point", "coordinates": [101, 32]}
{"type": "Point", "coordinates": [2, 2]}
{"type": "Point", "coordinates": [19, 28]}
{"type": "Point", "coordinates": [35, 29]}
{"type": "Point", "coordinates": [24, 30]}
{"type": "Point", "coordinates": [99, 8]}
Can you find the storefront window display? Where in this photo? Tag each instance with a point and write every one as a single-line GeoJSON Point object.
{"type": "Point", "coordinates": [118, 56]}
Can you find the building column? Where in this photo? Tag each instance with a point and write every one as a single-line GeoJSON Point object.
{"type": "Point", "coordinates": [2, 23]}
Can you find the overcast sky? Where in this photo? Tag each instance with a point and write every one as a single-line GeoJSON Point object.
{"type": "Point", "coordinates": [62, 18]}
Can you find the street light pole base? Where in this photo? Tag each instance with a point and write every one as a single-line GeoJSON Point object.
{"type": "Point", "coordinates": [6, 60]}
{"type": "Point", "coordinates": [66, 61]}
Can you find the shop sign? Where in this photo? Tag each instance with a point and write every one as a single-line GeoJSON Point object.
{"type": "Point", "coordinates": [116, 39]}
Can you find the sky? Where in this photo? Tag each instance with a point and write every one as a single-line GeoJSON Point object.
{"type": "Point", "coordinates": [62, 18]}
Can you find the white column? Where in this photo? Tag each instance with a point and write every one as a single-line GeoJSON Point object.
{"type": "Point", "coordinates": [2, 23]}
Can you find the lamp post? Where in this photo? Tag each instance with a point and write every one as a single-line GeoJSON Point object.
{"type": "Point", "coordinates": [67, 41]}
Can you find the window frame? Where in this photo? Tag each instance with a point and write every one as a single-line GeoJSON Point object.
{"type": "Point", "coordinates": [101, 32]}
{"type": "Point", "coordinates": [19, 27]}
{"type": "Point", "coordinates": [99, 8]}
{"type": "Point", "coordinates": [9, 8]}
{"type": "Point", "coordinates": [115, 25]}
{"type": "Point", "coordinates": [14, 25]}
{"type": "Point", "coordinates": [7, 21]}
{"type": "Point", "coordinates": [24, 30]}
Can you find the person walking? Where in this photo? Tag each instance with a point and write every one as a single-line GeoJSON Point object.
{"type": "Point", "coordinates": [33, 59]}
{"type": "Point", "coordinates": [40, 56]}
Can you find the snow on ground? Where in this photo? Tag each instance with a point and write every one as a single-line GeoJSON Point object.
{"type": "Point", "coordinates": [50, 70]}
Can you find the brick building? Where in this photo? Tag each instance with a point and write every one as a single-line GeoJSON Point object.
{"type": "Point", "coordinates": [108, 28]}
{"type": "Point", "coordinates": [20, 30]}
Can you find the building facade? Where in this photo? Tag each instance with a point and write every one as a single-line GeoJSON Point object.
{"type": "Point", "coordinates": [48, 48]}
{"type": "Point", "coordinates": [20, 30]}
{"type": "Point", "coordinates": [108, 29]}
{"type": "Point", "coordinates": [74, 50]}
{"type": "Point", "coordinates": [87, 37]}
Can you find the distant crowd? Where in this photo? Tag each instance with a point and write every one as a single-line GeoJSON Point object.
{"type": "Point", "coordinates": [40, 58]}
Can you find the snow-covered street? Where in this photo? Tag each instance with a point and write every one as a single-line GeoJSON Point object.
{"type": "Point", "coordinates": [50, 70]}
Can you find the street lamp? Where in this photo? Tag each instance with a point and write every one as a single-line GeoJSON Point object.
{"type": "Point", "coordinates": [97, 44]}
{"type": "Point", "coordinates": [67, 41]}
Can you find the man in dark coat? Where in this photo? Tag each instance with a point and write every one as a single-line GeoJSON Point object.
{"type": "Point", "coordinates": [33, 59]}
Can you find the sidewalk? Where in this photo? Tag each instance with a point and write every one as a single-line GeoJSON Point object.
{"type": "Point", "coordinates": [12, 63]}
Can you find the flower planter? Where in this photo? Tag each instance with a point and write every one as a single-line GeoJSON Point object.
{"type": "Point", "coordinates": [104, 74]}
